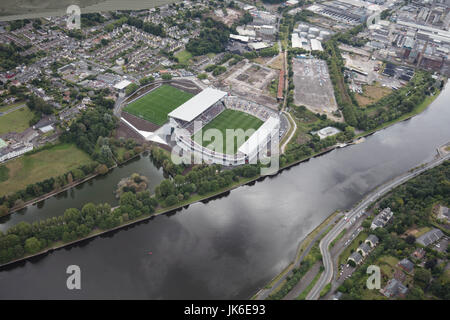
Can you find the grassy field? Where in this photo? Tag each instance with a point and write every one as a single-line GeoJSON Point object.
{"type": "Point", "coordinates": [4, 173]}
{"type": "Point", "coordinates": [372, 94]}
{"type": "Point", "coordinates": [4, 108]}
{"type": "Point", "coordinates": [353, 246]}
{"type": "Point", "coordinates": [387, 265]}
{"type": "Point", "coordinates": [17, 121]}
{"type": "Point", "coordinates": [40, 166]}
{"type": "Point", "coordinates": [228, 119]}
{"type": "Point", "coordinates": [418, 109]}
{"type": "Point", "coordinates": [183, 56]}
{"type": "Point", "coordinates": [155, 105]}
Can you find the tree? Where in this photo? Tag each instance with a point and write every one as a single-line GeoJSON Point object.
{"type": "Point", "coordinates": [3, 210]}
{"type": "Point", "coordinates": [166, 188]}
{"type": "Point", "coordinates": [410, 239]}
{"type": "Point", "coordinates": [422, 277]}
{"type": "Point", "coordinates": [32, 245]}
{"type": "Point", "coordinates": [102, 169]}
{"type": "Point", "coordinates": [171, 200]}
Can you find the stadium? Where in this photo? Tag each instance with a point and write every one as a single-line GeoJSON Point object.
{"type": "Point", "coordinates": [182, 119]}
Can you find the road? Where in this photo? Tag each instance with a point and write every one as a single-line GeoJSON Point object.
{"type": "Point", "coordinates": [264, 293]}
{"type": "Point", "coordinates": [12, 109]}
{"type": "Point", "coordinates": [324, 244]}
{"type": "Point", "coordinates": [283, 147]}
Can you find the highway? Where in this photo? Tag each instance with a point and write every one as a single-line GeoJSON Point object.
{"type": "Point", "coordinates": [324, 244]}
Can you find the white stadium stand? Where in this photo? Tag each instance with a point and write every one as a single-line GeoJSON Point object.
{"type": "Point", "coordinates": [260, 138]}
{"type": "Point", "coordinates": [198, 104]}
{"type": "Point", "coordinates": [207, 105]}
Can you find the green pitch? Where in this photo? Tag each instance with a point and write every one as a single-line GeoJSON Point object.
{"type": "Point", "coordinates": [228, 119]}
{"type": "Point", "coordinates": [156, 105]}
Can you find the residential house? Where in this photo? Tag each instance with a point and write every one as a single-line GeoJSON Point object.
{"type": "Point", "coordinates": [372, 240]}
{"type": "Point", "coordinates": [382, 219]}
{"type": "Point", "coordinates": [406, 265]}
{"type": "Point", "coordinates": [394, 288]}
{"type": "Point", "coordinates": [399, 275]}
{"type": "Point", "coordinates": [430, 237]}
{"type": "Point", "coordinates": [364, 249]}
{"type": "Point", "coordinates": [356, 257]}
{"type": "Point", "coordinates": [419, 253]}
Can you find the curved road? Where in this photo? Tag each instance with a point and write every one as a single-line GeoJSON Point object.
{"type": "Point", "coordinates": [327, 275]}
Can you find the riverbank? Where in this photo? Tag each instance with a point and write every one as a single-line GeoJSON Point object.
{"type": "Point", "coordinates": [303, 251]}
{"type": "Point", "coordinates": [69, 186]}
{"type": "Point", "coordinates": [194, 199]}
{"type": "Point", "coordinates": [417, 110]}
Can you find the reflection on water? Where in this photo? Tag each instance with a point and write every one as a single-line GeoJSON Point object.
{"type": "Point", "coordinates": [228, 248]}
{"type": "Point", "coordinates": [97, 190]}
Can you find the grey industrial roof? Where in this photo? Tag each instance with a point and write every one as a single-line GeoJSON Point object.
{"type": "Point", "coordinates": [198, 104]}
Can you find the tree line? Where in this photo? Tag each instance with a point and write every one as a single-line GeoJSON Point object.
{"type": "Point", "coordinates": [412, 204]}
{"type": "Point", "coordinates": [25, 238]}
{"type": "Point", "coordinates": [212, 39]}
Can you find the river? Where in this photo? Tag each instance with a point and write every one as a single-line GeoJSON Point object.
{"type": "Point", "coordinates": [227, 248]}
{"type": "Point", "coordinates": [97, 190]}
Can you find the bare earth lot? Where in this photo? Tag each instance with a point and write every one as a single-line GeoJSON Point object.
{"type": "Point", "coordinates": [372, 94]}
{"type": "Point", "coordinates": [313, 87]}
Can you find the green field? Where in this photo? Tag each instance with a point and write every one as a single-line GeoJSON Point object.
{"type": "Point", "coordinates": [16, 121]}
{"type": "Point", "coordinates": [156, 105]}
{"type": "Point", "coordinates": [4, 108]}
{"type": "Point", "coordinates": [183, 56]}
{"type": "Point", "coordinates": [39, 166]}
{"type": "Point", "coordinates": [228, 119]}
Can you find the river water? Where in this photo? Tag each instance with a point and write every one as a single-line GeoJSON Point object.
{"type": "Point", "coordinates": [227, 248]}
{"type": "Point", "coordinates": [98, 190]}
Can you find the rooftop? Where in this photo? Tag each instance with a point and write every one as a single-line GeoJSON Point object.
{"type": "Point", "coordinates": [198, 104]}
{"type": "Point", "coordinates": [260, 137]}
{"type": "Point", "coordinates": [122, 84]}
{"type": "Point", "coordinates": [430, 237]}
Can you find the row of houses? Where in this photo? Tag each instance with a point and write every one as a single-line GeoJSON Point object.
{"type": "Point", "coordinates": [382, 219]}
{"type": "Point", "coordinates": [14, 150]}
{"type": "Point", "coordinates": [364, 249]}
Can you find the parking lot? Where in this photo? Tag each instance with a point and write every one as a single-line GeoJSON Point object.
{"type": "Point", "coordinates": [313, 87]}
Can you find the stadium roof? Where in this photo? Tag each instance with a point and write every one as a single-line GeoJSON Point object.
{"type": "Point", "coordinates": [198, 104]}
{"type": "Point", "coordinates": [122, 84]}
{"type": "Point", "coordinates": [260, 137]}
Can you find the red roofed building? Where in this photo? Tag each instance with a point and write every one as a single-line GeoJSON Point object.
{"type": "Point", "coordinates": [280, 85]}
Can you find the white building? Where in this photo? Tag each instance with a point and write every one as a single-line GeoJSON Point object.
{"type": "Point", "coordinates": [382, 219]}
{"type": "Point", "coordinates": [15, 151]}
{"type": "Point", "coordinates": [266, 29]}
